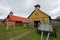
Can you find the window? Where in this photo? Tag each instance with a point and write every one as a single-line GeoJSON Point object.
{"type": "Point", "coordinates": [36, 14]}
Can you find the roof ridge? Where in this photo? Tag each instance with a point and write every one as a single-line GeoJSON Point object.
{"type": "Point", "coordinates": [18, 16]}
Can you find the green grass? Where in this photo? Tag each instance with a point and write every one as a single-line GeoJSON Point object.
{"type": "Point", "coordinates": [32, 36]}
{"type": "Point", "coordinates": [35, 36]}
{"type": "Point", "coordinates": [5, 34]}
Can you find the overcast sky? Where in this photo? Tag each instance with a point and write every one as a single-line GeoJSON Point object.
{"type": "Point", "coordinates": [25, 7]}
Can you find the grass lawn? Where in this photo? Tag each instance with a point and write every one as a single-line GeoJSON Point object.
{"type": "Point", "coordinates": [35, 36]}
{"type": "Point", "coordinates": [32, 36]}
{"type": "Point", "coordinates": [5, 34]}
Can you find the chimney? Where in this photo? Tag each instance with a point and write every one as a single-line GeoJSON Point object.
{"type": "Point", "coordinates": [37, 6]}
{"type": "Point", "coordinates": [10, 13]}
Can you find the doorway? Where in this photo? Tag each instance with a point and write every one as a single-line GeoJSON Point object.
{"type": "Point", "coordinates": [36, 23]}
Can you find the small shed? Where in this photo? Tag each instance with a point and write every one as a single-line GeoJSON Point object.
{"type": "Point", "coordinates": [12, 20]}
{"type": "Point", "coordinates": [55, 23]}
{"type": "Point", "coordinates": [38, 17]}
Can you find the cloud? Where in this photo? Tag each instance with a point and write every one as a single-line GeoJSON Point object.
{"type": "Point", "coordinates": [55, 10]}
{"type": "Point", "coordinates": [55, 3]}
{"type": "Point", "coordinates": [4, 10]}
{"type": "Point", "coordinates": [1, 17]}
{"type": "Point", "coordinates": [25, 7]}
{"type": "Point", "coordinates": [2, 7]}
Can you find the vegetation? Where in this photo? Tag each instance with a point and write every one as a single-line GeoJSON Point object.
{"type": "Point", "coordinates": [5, 34]}
{"type": "Point", "coordinates": [32, 36]}
{"type": "Point", "coordinates": [36, 36]}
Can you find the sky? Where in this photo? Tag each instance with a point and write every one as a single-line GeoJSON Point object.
{"type": "Point", "coordinates": [24, 8]}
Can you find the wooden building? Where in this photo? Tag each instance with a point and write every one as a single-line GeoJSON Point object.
{"type": "Point", "coordinates": [38, 17]}
{"type": "Point", "coordinates": [55, 23]}
{"type": "Point", "coordinates": [12, 20]}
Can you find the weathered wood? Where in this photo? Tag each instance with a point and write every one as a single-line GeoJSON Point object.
{"type": "Point", "coordinates": [7, 25]}
{"type": "Point", "coordinates": [42, 20]}
{"type": "Point", "coordinates": [48, 36]}
{"type": "Point", "coordinates": [45, 27]}
{"type": "Point", "coordinates": [38, 15]}
{"type": "Point", "coordinates": [14, 25]}
{"type": "Point", "coordinates": [41, 35]}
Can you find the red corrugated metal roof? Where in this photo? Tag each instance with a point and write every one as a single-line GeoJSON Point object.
{"type": "Point", "coordinates": [16, 18]}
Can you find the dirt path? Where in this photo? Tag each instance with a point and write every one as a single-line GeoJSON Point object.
{"type": "Point", "coordinates": [21, 35]}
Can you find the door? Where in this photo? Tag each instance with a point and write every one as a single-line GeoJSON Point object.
{"type": "Point", "coordinates": [36, 23]}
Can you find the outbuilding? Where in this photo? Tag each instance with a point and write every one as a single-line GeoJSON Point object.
{"type": "Point", "coordinates": [12, 20]}
{"type": "Point", "coordinates": [38, 17]}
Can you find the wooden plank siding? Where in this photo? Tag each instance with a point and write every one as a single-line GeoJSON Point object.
{"type": "Point", "coordinates": [42, 20]}
{"type": "Point", "coordinates": [41, 14]}
{"type": "Point", "coordinates": [38, 16]}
